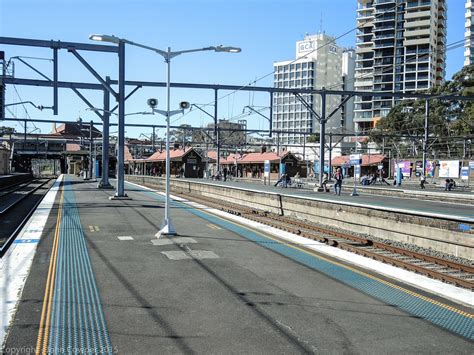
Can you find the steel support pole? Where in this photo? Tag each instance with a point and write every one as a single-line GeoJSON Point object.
{"type": "Point", "coordinates": [104, 182]}
{"type": "Point", "coordinates": [278, 143]}
{"type": "Point", "coordinates": [330, 156]}
{"type": "Point", "coordinates": [322, 131]}
{"type": "Point", "coordinates": [91, 138]}
{"type": "Point", "coordinates": [55, 81]}
{"type": "Point", "coordinates": [120, 189]}
{"type": "Point", "coordinates": [217, 134]}
{"type": "Point", "coordinates": [304, 148]}
{"type": "Point", "coordinates": [425, 139]}
{"type": "Point", "coordinates": [3, 90]}
{"type": "Point", "coordinates": [167, 228]}
{"type": "Point", "coordinates": [153, 139]}
{"type": "Point", "coordinates": [218, 143]}
{"type": "Point", "coordinates": [271, 115]}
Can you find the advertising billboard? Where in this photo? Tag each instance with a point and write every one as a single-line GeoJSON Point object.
{"type": "Point", "coordinates": [449, 169]}
{"type": "Point", "coordinates": [405, 165]}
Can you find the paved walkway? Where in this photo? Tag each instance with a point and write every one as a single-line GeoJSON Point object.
{"type": "Point", "coordinates": [218, 288]}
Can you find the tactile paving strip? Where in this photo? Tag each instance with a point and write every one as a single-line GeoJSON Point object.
{"type": "Point", "coordinates": [77, 320]}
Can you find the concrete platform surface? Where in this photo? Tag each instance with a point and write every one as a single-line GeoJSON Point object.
{"type": "Point", "coordinates": [219, 287]}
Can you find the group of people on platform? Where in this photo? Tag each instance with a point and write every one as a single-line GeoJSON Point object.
{"type": "Point", "coordinates": [373, 179]}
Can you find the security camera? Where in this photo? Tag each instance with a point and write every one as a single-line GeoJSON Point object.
{"type": "Point", "coordinates": [152, 102]}
{"type": "Point", "coordinates": [183, 105]}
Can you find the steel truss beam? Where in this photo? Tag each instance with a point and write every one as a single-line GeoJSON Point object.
{"type": "Point", "coordinates": [99, 123]}
{"type": "Point", "coordinates": [92, 86]}
{"type": "Point", "coordinates": [57, 44]}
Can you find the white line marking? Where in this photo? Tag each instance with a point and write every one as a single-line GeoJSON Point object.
{"type": "Point", "coordinates": [173, 240]}
{"type": "Point", "coordinates": [127, 237]}
{"type": "Point", "coordinates": [16, 263]}
{"type": "Point", "coordinates": [193, 254]}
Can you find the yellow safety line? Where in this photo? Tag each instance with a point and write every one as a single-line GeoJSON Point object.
{"type": "Point", "coordinates": [43, 333]}
{"type": "Point", "coordinates": [313, 253]}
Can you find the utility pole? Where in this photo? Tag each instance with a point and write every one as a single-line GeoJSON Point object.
{"type": "Point", "coordinates": [91, 162]}
{"type": "Point", "coordinates": [425, 139]}
{"type": "Point", "coordinates": [104, 181]}
{"type": "Point", "coordinates": [330, 156]}
{"type": "Point", "coordinates": [322, 131]}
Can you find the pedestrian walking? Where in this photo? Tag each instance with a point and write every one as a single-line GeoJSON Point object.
{"type": "Point", "coordinates": [284, 180]}
{"type": "Point", "coordinates": [338, 185]}
{"type": "Point", "coordinates": [422, 181]}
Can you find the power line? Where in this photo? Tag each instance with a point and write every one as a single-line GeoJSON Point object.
{"type": "Point", "coordinates": [293, 61]}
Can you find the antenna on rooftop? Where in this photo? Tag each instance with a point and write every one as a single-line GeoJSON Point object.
{"type": "Point", "coordinates": [321, 23]}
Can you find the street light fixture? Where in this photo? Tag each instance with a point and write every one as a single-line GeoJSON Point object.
{"type": "Point", "coordinates": [167, 226]}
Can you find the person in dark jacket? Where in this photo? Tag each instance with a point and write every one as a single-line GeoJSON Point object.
{"type": "Point", "coordinates": [338, 185]}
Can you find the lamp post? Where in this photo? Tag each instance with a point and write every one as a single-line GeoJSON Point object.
{"type": "Point", "coordinates": [167, 225]}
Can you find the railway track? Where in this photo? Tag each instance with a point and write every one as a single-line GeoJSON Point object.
{"type": "Point", "coordinates": [16, 207]}
{"type": "Point", "coordinates": [10, 198]}
{"type": "Point", "coordinates": [437, 268]}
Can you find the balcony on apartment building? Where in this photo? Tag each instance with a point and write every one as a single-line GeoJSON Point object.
{"type": "Point", "coordinates": [418, 3]}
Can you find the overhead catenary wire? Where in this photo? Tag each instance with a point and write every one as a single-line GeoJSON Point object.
{"type": "Point", "coordinates": [21, 100]}
{"type": "Point", "coordinates": [253, 82]}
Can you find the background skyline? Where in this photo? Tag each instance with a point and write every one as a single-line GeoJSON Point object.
{"type": "Point", "coordinates": [265, 30]}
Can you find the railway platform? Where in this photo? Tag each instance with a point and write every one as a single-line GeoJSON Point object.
{"type": "Point", "coordinates": [100, 281]}
{"type": "Point", "coordinates": [460, 210]}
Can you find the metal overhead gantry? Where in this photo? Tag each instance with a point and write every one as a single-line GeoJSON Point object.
{"type": "Point", "coordinates": [105, 86]}
{"type": "Point", "coordinates": [56, 84]}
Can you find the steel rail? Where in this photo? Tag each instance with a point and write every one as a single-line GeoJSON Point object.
{"type": "Point", "coordinates": [346, 241]}
{"type": "Point", "coordinates": [5, 246]}
{"type": "Point", "coordinates": [5, 210]}
{"type": "Point", "coordinates": [16, 186]}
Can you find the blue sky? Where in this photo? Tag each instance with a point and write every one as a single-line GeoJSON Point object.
{"type": "Point", "coordinates": [266, 30]}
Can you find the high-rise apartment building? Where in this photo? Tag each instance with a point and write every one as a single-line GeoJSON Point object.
{"type": "Point", "coordinates": [400, 48]}
{"type": "Point", "coordinates": [469, 34]}
{"type": "Point", "coordinates": [318, 64]}
{"type": "Point", "coordinates": [348, 72]}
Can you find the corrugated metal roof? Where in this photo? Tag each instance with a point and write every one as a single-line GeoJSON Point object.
{"type": "Point", "coordinates": [367, 160]}
{"type": "Point", "coordinates": [161, 155]}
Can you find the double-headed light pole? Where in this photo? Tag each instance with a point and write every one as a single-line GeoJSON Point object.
{"type": "Point", "coordinates": [167, 228]}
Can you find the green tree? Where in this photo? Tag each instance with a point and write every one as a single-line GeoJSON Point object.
{"type": "Point", "coordinates": [450, 121]}
{"type": "Point", "coordinates": [313, 138]}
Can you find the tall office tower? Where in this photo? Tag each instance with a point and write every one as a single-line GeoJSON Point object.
{"type": "Point", "coordinates": [318, 64]}
{"type": "Point", "coordinates": [348, 71]}
{"type": "Point", "coordinates": [469, 34]}
{"type": "Point", "coordinates": [400, 48]}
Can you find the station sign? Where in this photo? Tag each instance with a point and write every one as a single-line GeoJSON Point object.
{"type": "Point", "coordinates": [357, 171]}
{"type": "Point", "coordinates": [266, 168]}
{"type": "Point", "coordinates": [355, 159]}
{"type": "Point", "coordinates": [465, 173]}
